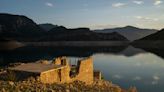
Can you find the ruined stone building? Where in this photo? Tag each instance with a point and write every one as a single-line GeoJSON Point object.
{"type": "Point", "coordinates": [60, 71]}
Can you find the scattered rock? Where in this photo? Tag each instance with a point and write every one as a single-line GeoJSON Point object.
{"type": "Point", "coordinates": [11, 83]}
{"type": "Point", "coordinates": [31, 85]}
{"type": "Point", "coordinates": [35, 85]}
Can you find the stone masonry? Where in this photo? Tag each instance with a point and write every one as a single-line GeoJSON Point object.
{"type": "Point", "coordinates": [59, 71]}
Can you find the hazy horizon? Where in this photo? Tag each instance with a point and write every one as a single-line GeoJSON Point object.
{"type": "Point", "coordinates": [94, 14]}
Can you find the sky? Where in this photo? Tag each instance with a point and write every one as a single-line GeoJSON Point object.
{"type": "Point", "coordinates": [95, 14]}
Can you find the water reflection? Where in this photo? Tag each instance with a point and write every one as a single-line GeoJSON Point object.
{"type": "Point", "coordinates": [123, 65]}
{"type": "Point", "coordinates": [131, 51]}
{"type": "Point", "coordinates": [30, 54]}
{"type": "Point", "coordinates": [145, 71]}
{"type": "Point", "coordinates": [157, 51]}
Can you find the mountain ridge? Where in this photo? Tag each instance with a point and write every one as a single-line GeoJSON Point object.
{"type": "Point", "coordinates": [47, 26]}
{"type": "Point", "coordinates": [81, 34]}
{"type": "Point", "coordinates": [156, 36]}
{"type": "Point", "coordinates": [155, 41]}
{"type": "Point", "coordinates": [130, 32]}
{"type": "Point", "coordinates": [24, 29]}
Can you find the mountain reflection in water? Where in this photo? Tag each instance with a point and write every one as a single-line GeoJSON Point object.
{"type": "Point", "coordinates": [123, 65]}
{"type": "Point", "coordinates": [30, 54]}
{"type": "Point", "coordinates": [144, 70]}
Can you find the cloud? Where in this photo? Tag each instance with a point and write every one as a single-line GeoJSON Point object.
{"type": "Point", "coordinates": [137, 78]}
{"type": "Point", "coordinates": [154, 82]}
{"type": "Point", "coordinates": [118, 5]}
{"type": "Point", "coordinates": [158, 2]}
{"type": "Point", "coordinates": [138, 2]}
{"type": "Point", "coordinates": [117, 76]}
{"type": "Point", "coordinates": [138, 17]}
{"type": "Point", "coordinates": [49, 4]}
{"type": "Point", "coordinates": [156, 78]}
{"type": "Point", "coordinates": [146, 18]}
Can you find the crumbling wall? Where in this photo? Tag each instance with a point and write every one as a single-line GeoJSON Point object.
{"type": "Point", "coordinates": [85, 73]}
{"type": "Point", "coordinates": [56, 76]}
{"type": "Point", "coordinates": [50, 76]}
{"type": "Point", "coordinates": [62, 75]}
{"type": "Point", "coordinates": [61, 61]}
{"type": "Point", "coordinates": [65, 74]}
{"type": "Point", "coordinates": [57, 61]}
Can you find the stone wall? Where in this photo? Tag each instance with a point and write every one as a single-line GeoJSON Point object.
{"type": "Point", "coordinates": [61, 61]}
{"type": "Point", "coordinates": [65, 74]}
{"type": "Point", "coordinates": [85, 73]}
{"type": "Point", "coordinates": [61, 75]}
{"type": "Point", "coordinates": [50, 77]}
{"type": "Point", "coordinates": [56, 76]}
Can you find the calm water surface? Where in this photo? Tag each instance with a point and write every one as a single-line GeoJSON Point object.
{"type": "Point", "coordinates": [125, 66]}
{"type": "Point", "coordinates": [145, 71]}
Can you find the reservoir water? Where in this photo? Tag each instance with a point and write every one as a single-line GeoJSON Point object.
{"type": "Point", "coordinates": [125, 65]}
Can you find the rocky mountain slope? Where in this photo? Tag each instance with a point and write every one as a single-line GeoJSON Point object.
{"type": "Point", "coordinates": [81, 34]}
{"type": "Point", "coordinates": [155, 40]}
{"type": "Point", "coordinates": [47, 26]}
{"type": "Point", "coordinates": [154, 37]}
{"type": "Point", "coordinates": [18, 27]}
{"type": "Point", "coordinates": [130, 32]}
{"type": "Point", "coordinates": [23, 29]}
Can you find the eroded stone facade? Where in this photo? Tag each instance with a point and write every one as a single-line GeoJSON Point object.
{"type": "Point", "coordinates": [60, 71]}
{"type": "Point", "coordinates": [84, 70]}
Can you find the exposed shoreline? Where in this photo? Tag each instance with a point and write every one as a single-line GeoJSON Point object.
{"type": "Point", "coordinates": [78, 43]}
{"type": "Point", "coordinates": [34, 85]}
{"type": "Point", "coordinates": [10, 82]}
